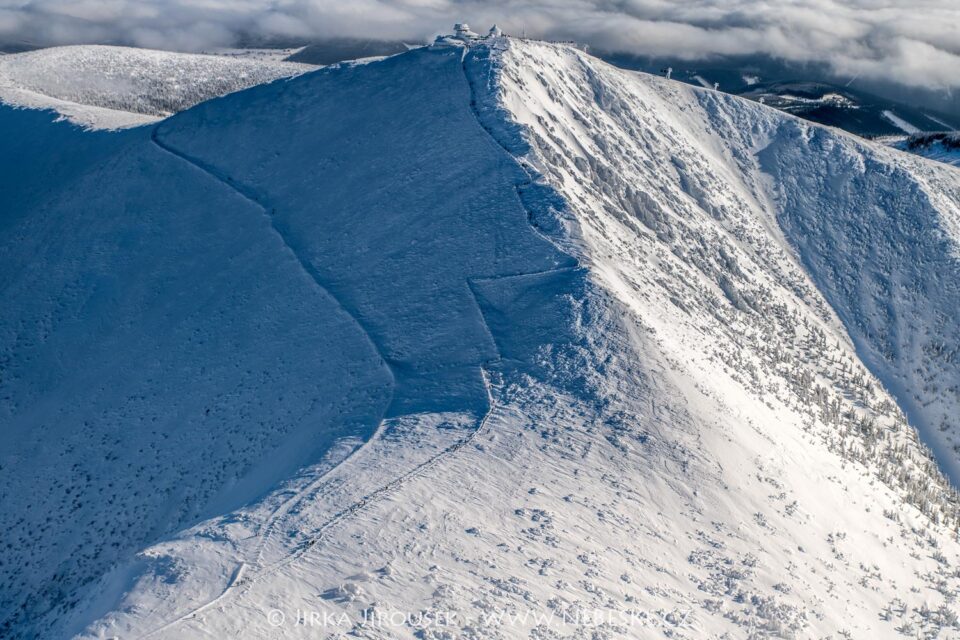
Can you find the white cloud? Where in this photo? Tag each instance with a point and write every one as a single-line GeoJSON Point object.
{"type": "Point", "coordinates": [910, 42]}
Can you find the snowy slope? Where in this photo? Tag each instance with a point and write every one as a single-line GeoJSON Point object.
{"type": "Point", "coordinates": [943, 147]}
{"type": "Point", "coordinates": [900, 224]}
{"type": "Point", "coordinates": [118, 429]}
{"type": "Point", "coordinates": [577, 352]}
{"type": "Point", "coordinates": [105, 87]}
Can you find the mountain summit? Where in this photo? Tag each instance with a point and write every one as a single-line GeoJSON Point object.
{"type": "Point", "coordinates": [487, 339]}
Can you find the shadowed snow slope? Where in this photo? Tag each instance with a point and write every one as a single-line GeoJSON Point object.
{"type": "Point", "coordinates": [499, 334]}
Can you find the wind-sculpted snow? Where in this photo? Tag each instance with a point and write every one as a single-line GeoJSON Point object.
{"type": "Point", "coordinates": [105, 87]}
{"type": "Point", "coordinates": [888, 258]}
{"type": "Point", "coordinates": [602, 336]}
{"type": "Point", "coordinates": [727, 168]}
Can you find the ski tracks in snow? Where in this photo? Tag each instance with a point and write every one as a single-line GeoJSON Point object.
{"type": "Point", "coordinates": [320, 533]}
{"type": "Point", "coordinates": [239, 584]}
{"type": "Point", "coordinates": [267, 527]}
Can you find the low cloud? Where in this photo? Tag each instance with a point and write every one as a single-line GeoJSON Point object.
{"type": "Point", "coordinates": [907, 42]}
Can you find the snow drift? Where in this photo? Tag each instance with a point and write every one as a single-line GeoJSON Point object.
{"type": "Point", "coordinates": [497, 332]}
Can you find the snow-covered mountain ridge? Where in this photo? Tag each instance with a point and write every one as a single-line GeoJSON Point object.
{"type": "Point", "coordinates": [477, 331]}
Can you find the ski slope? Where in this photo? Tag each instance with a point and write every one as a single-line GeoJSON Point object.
{"type": "Point", "coordinates": [106, 87]}
{"type": "Point", "coordinates": [484, 341]}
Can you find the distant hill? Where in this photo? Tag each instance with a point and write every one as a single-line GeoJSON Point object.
{"type": "Point", "coordinates": [341, 49]}
{"type": "Point", "coordinates": [802, 91]}
{"type": "Point", "coordinates": [110, 87]}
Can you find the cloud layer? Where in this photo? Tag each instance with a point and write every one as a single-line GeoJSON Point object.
{"type": "Point", "coordinates": [907, 42]}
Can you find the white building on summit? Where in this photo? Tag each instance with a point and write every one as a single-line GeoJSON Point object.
{"type": "Point", "coordinates": [462, 30]}
{"type": "Point", "coordinates": [462, 33]}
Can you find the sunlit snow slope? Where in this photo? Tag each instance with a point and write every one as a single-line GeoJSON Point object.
{"type": "Point", "coordinates": [104, 87]}
{"type": "Point", "coordinates": [498, 334]}
{"type": "Point", "coordinates": [943, 147]}
{"type": "Point", "coordinates": [876, 231]}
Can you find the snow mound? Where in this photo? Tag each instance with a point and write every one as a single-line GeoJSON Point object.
{"type": "Point", "coordinates": [481, 341]}
{"type": "Point", "coordinates": [107, 87]}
